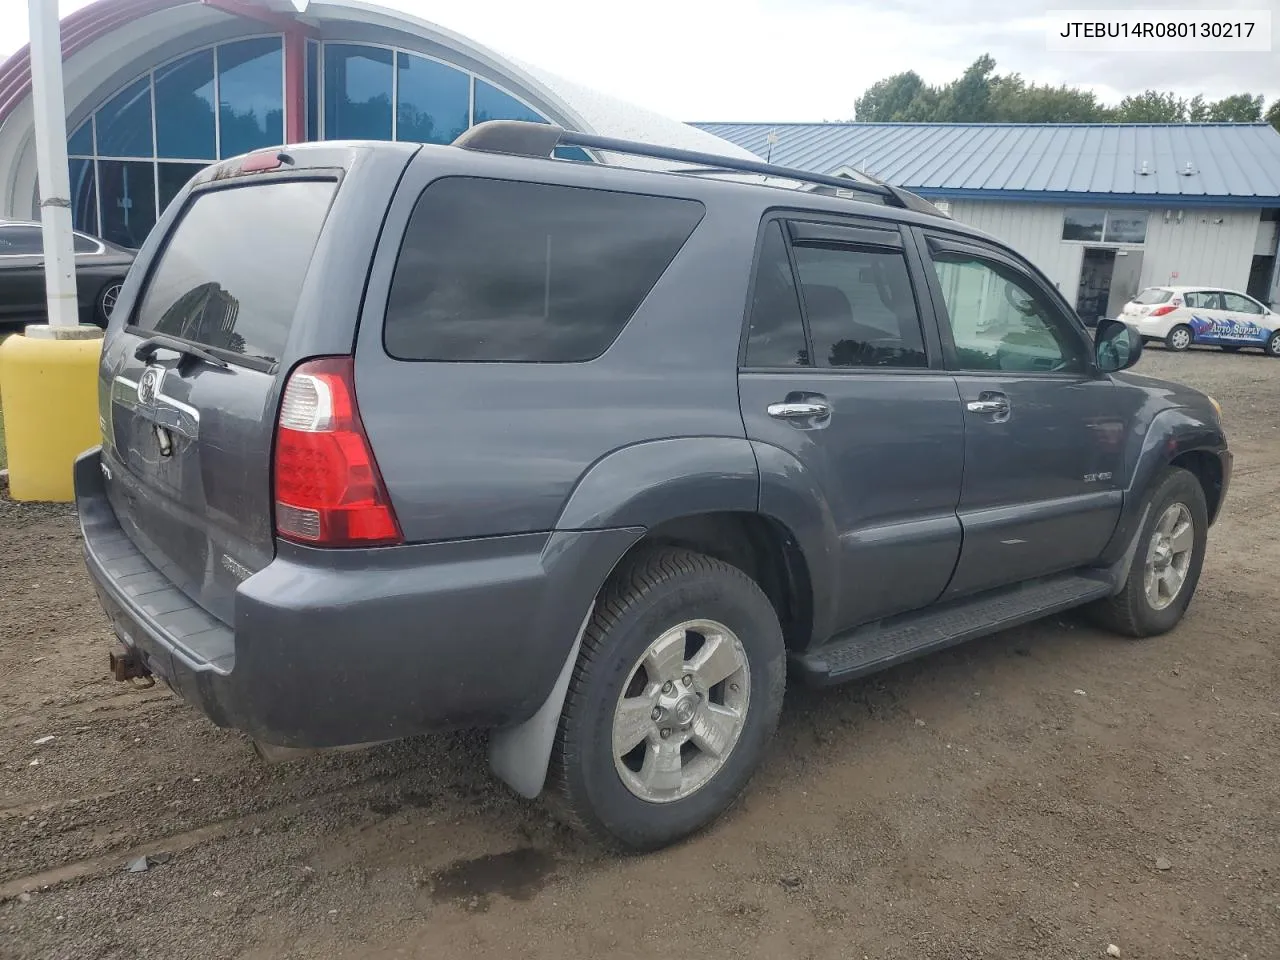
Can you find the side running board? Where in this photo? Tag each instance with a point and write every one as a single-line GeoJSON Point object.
{"type": "Point", "coordinates": [896, 639]}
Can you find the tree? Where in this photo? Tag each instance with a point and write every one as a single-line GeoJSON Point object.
{"type": "Point", "coordinates": [1241, 108]}
{"type": "Point", "coordinates": [1273, 115]}
{"type": "Point", "coordinates": [1150, 106]}
{"type": "Point", "coordinates": [1014, 101]}
{"type": "Point", "coordinates": [968, 100]}
{"type": "Point", "coordinates": [888, 99]}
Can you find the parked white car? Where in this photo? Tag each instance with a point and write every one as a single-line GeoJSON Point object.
{"type": "Point", "coordinates": [1181, 316]}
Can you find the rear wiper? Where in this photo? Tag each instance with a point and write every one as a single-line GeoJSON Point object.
{"type": "Point", "coordinates": [148, 347]}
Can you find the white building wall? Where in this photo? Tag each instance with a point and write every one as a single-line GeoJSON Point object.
{"type": "Point", "coordinates": [1208, 246]}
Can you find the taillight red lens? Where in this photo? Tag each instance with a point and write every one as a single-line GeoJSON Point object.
{"type": "Point", "coordinates": [1161, 311]}
{"type": "Point", "coordinates": [328, 491]}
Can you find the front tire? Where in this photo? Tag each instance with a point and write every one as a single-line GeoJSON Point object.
{"type": "Point", "coordinates": [674, 698]}
{"type": "Point", "coordinates": [1272, 348]}
{"type": "Point", "coordinates": [1179, 338]}
{"type": "Point", "coordinates": [1166, 566]}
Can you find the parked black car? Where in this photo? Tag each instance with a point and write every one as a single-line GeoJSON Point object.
{"type": "Point", "coordinates": [403, 437]}
{"type": "Point", "coordinates": [100, 270]}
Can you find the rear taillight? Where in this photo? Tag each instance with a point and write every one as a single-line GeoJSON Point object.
{"type": "Point", "coordinates": [1161, 311]}
{"type": "Point", "coordinates": [328, 491]}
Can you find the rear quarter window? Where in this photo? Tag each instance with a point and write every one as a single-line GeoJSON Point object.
{"type": "Point", "coordinates": [497, 270]}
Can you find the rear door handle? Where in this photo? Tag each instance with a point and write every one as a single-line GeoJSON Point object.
{"type": "Point", "coordinates": [800, 410]}
{"type": "Point", "coordinates": [991, 404]}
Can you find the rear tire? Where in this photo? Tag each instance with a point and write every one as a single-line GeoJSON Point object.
{"type": "Point", "coordinates": [1272, 348]}
{"type": "Point", "coordinates": [1179, 338]}
{"type": "Point", "coordinates": [106, 302]}
{"type": "Point", "coordinates": [665, 628]}
{"type": "Point", "coordinates": [1166, 565]}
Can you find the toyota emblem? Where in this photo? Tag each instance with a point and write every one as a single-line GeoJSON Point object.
{"type": "Point", "coordinates": [149, 384]}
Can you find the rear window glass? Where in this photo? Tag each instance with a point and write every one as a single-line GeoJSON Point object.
{"type": "Point", "coordinates": [496, 270]}
{"type": "Point", "coordinates": [1153, 295]}
{"type": "Point", "coordinates": [230, 275]}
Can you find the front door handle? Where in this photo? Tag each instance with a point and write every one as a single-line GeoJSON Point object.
{"type": "Point", "coordinates": [990, 403]}
{"type": "Point", "coordinates": [799, 410]}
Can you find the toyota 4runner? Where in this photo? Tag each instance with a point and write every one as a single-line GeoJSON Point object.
{"type": "Point", "coordinates": [398, 438]}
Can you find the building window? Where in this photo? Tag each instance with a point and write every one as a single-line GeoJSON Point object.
{"type": "Point", "coordinates": [124, 124]}
{"type": "Point", "coordinates": [495, 104]}
{"type": "Point", "coordinates": [1105, 226]}
{"type": "Point", "coordinates": [357, 92]}
{"type": "Point", "coordinates": [433, 100]}
{"type": "Point", "coordinates": [185, 118]}
{"type": "Point", "coordinates": [313, 90]}
{"type": "Point", "coordinates": [251, 95]}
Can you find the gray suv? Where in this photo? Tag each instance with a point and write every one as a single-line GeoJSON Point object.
{"type": "Point", "coordinates": [399, 438]}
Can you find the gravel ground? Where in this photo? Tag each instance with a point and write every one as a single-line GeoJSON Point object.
{"type": "Point", "coordinates": [1042, 793]}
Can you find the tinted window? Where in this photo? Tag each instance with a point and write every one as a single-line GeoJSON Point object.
{"type": "Point", "coordinates": [776, 334]}
{"type": "Point", "coordinates": [494, 104]}
{"type": "Point", "coordinates": [84, 195]}
{"type": "Point", "coordinates": [1126, 226]}
{"type": "Point", "coordinates": [251, 95]}
{"type": "Point", "coordinates": [1238, 304]}
{"type": "Point", "coordinates": [173, 177]}
{"type": "Point", "coordinates": [83, 244]}
{"type": "Point", "coordinates": [999, 321]}
{"type": "Point", "coordinates": [128, 190]}
{"type": "Point", "coordinates": [357, 92]}
{"type": "Point", "coordinates": [1153, 295]}
{"type": "Point", "coordinates": [80, 143]}
{"type": "Point", "coordinates": [1083, 225]}
{"type": "Point", "coordinates": [184, 108]}
{"type": "Point", "coordinates": [860, 307]}
{"type": "Point", "coordinates": [433, 100]}
{"type": "Point", "coordinates": [210, 285]}
{"type": "Point", "coordinates": [499, 270]}
{"type": "Point", "coordinates": [20, 241]}
{"type": "Point", "coordinates": [124, 123]}
{"type": "Point", "coordinates": [1203, 300]}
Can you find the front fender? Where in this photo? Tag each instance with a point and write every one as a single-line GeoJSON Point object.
{"type": "Point", "coordinates": [1169, 434]}
{"type": "Point", "coordinates": [648, 483]}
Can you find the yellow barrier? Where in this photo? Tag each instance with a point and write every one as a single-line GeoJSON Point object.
{"type": "Point", "coordinates": [49, 391]}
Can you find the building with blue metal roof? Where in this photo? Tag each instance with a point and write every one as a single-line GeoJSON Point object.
{"type": "Point", "coordinates": [1103, 209]}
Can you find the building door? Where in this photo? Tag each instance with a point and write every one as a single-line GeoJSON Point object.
{"type": "Point", "coordinates": [1124, 280]}
{"type": "Point", "coordinates": [1095, 283]}
{"type": "Point", "coordinates": [1260, 272]}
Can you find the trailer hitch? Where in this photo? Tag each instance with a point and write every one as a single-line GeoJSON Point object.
{"type": "Point", "coordinates": [128, 666]}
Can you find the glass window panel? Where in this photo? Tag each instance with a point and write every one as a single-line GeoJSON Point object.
{"type": "Point", "coordinates": [1238, 304]}
{"type": "Point", "coordinates": [1126, 226]}
{"type": "Point", "coordinates": [124, 123]}
{"type": "Point", "coordinates": [313, 90]}
{"type": "Point", "coordinates": [572, 153]}
{"type": "Point", "coordinates": [434, 102]}
{"type": "Point", "coordinates": [776, 335]}
{"type": "Point", "coordinates": [357, 92]}
{"type": "Point", "coordinates": [83, 244]}
{"type": "Point", "coordinates": [80, 143]}
{"type": "Point", "coordinates": [128, 201]}
{"type": "Point", "coordinates": [20, 241]}
{"type": "Point", "coordinates": [497, 270]}
{"type": "Point", "coordinates": [1083, 224]}
{"type": "Point", "coordinates": [1000, 322]}
{"type": "Point", "coordinates": [251, 95]}
{"type": "Point", "coordinates": [84, 196]}
{"type": "Point", "coordinates": [173, 177]}
{"type": "Point", "coordinates": [495, 104]}
{"type": "Point", "coordinates": [860, 306]}
{"type": "Point", "coordinates": [184, 108]}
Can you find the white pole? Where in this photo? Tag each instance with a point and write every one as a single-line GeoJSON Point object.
{"type": "Point", "coordinates": [51, 163]}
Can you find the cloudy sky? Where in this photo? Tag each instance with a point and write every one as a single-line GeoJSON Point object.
{"type": "Point", "coordinates": [805, 60]}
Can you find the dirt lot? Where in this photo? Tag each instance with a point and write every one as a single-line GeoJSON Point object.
{"type": "Point", "coordinates": [1042, 793]}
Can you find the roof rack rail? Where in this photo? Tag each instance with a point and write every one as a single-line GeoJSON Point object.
{"type": "Point", "coordinates": [526, 138]}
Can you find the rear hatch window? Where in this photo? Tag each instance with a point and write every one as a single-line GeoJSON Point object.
{"type": "Point", "coordinates": [1153, 295]}
{"type": "Point", "coordinates": [496, 270]}
{"type": "Point", "coordinates": [232, 271]}
{"type": "Point", "coordinates": [188, 442]}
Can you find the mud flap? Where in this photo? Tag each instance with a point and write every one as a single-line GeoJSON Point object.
{"type": "Point", "coordinates": [519, 755]}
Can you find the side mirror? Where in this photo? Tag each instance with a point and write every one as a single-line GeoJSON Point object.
{"type": "Point", "coordinates": [1116, 345]}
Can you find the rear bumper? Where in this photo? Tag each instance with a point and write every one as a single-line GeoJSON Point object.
{"type": "Point", "coordinates": [338, 647]}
